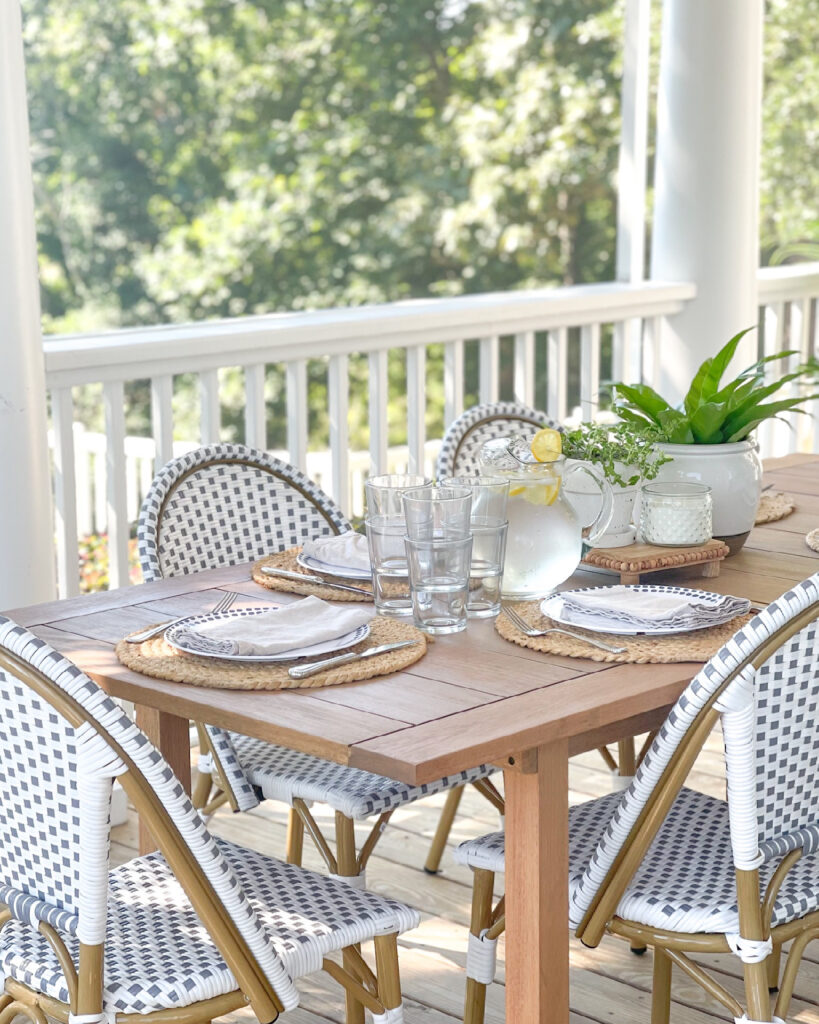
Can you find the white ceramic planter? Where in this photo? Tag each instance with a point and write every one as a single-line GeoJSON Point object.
{"type": "Point", "coordinates": [585, 500]}
{"type": "Point", "coordinates": [734, 474]}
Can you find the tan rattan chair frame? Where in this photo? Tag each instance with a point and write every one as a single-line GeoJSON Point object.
{"type": "Point", "coordinates": [671, 947]}
{"type": "Point", "coordinates": [85, 980]}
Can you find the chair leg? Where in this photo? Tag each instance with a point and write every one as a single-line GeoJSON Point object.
{"type": "Point", "coordinates": [201, 789]}
{"type": "Point", "coordinates": [436, 850]}
{"type": "Point", "coordinates": [626, 758]}
{"type": "Point", "coordinates": [386, 967]}
{"type": "Point", "coordinates": [773, 963]}
{"type": "Point", "coordinates": [483, 882]}
{"type": "Point", "coordinates": [661, 988]}
{"type": "Point", "coordinates": [348, 867]}
{"type": "Point", "coordinates": [757, 996]}
{"type": "Point", "coordinates": [295, 837]}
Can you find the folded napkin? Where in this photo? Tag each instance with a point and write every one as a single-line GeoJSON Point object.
{"type": "Point", "coordinates": [303, 624]}
{"type": "Point", "coordinates": [346, 551]}
{"type": "Point", "coordinates": [624, 606]}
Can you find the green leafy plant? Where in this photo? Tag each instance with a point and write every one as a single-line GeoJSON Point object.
{"type": "Point", "coordinates": [617, 448]}
{"type": "Point", "coordinates": [713, 413]}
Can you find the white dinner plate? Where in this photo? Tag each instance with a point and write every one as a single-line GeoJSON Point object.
{"type": "Point", "coordinates": [552, 607]}
{"type": "Point", "coordinates": [183, 637]}
{"type": "Point", "coordinates": [314, 565]}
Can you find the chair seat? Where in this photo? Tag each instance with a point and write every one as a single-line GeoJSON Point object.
{"type": "Point", "coordinates": [686, 882]}
{"type": "Point", "coordinates": [283, 774]}
{"type": "Point", "coordinates": [158, 955]}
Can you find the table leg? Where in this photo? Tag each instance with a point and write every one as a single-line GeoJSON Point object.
{"type": "Point", "coordinates": [170, 734]}
{"type": "Point", "coordinates": [537, 899]}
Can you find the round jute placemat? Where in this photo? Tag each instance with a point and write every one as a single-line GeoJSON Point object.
{"type": "Point", "coordinates": [287, 560]}
{"type": "Point", "coordinates": [698, 645]}
{"type": "Point", "coordinates": [773, 505]}
{"type": "Point", "coordinates": [158, 659]}
{"type": "Point", "coordinates": [812, 540]}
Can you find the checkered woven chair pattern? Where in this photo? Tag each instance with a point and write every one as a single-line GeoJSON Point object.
{"type": "Point", "coordinates": [466, 436]}
{"type": "Point", "coordinates": [743, 871]}
{"type": "Point", "coordinates": [231, 922]}
{"type": "Point", "coordinates": [224, 504]}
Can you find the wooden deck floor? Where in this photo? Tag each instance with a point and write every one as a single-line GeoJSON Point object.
{"type": "Point", "coordinates": [608, 984]}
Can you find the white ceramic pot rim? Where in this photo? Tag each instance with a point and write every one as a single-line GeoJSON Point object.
{"type": "Point", "coordinates": [726, 448]}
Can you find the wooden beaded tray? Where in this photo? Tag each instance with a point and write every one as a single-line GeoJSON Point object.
{"type": "Point", "coordinates": [636, 560]}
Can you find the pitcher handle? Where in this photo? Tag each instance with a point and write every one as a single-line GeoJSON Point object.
{"type": "Point", "coordinates": [592, 533]}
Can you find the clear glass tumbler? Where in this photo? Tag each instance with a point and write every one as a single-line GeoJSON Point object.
{"type": "Point", "coordinates": [489, 494]}
{"type": "Point", "coordinates": [383, 493]}
{"type": "Point", "coordinates": [388, 560]}
{"type": "Point", "coordinates": [437, 512]}
{"type": "Point", "coordinates": [439, 583]}
{"type": "Point", "coordinates": [486, 567]}
{"type": "Point", "coordinates": [675, 513]}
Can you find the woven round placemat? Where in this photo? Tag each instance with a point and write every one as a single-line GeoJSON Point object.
{"type": "Point", "coordinates": [812, 540]}
{"type": "Point", "coordinates": [158, 659]}
{"type": "Point", "coordinates": [287, 560]}
{"type": "Point", "coordinates": [698, 645]}
{"type": "Point", "coordinates": [773, 505]}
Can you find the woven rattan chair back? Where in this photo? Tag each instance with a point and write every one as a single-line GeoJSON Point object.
{"type": "Point", "coordinates": [224, 504]}
{"type": "Point", "coordinates": [464, 439]}
{"type": "Point", "coordinates": [764, 686]}
{"type": "Point", "coordinates": [62, 743]}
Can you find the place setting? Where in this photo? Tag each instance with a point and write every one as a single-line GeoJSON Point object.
{"type": "Point", "coordinates": [335, 568]}
{"type": "Point", "coordinates": [308, 643]}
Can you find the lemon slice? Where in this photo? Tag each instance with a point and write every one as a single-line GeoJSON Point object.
{"type": "Point", "coordinates": [516, 491]}
{"type": "Point", "coordinates": [547, 445]}
{"type": "Point", "coordinates": [541, 494]}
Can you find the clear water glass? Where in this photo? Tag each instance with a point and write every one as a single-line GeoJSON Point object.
{"type": "Point", "coordinates": [439, 583]}
{"type": "Point", "coordinates": [486, 567]}
{"type": "Point", "coordinates": [388, 560]}
{"type": "Point", "coordinates": [489, 494]}
{"type": "Point", "coordinates": [675, 513]}
{"type": "Point", "coordinates": [437, 512]}
{"type": "Point", "coordinates": [383, 493]}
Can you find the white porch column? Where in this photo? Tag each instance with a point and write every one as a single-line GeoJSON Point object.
{"type": "Point", "coordinates": [27, 572]}
{"type": "Point", "coordinates": [707, 178]}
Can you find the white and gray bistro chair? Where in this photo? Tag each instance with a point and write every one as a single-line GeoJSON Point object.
{"type": "Point", "coordinates": [683, 872]}
{"type": "Point", "coordinates": [222, 505]}
{"type": "Point", "coordinates": [188, 933]}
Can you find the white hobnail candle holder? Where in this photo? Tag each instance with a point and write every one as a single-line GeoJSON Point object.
{"type": "Point", "coordinates": [675, 513]}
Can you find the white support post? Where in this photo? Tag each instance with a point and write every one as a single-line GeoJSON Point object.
{"type": "Point", "coordinates": [525, 368]}
{"type": "Point", "coordinates": [65, 492]}
{"type": "Point", "coordinates": [162, 419]}
{"type": "Point", "coordinates": [489, 380]}
{"type": "Point", "coordinates": [116, 486]}
{"type": "Point", "coordinates": [210, 414]}
{"type": "Point", "coordinates": [558, 355]}
{"type": "Point", "coordinates": [338, 387]}
{"type": "Point", "coordinates": [453, 381]}
{"type": "Point", "coordinates": [255, 412]}
{"type": "Point", "coordinates": [297, 426]}
{"type": "Point", "coordinates": [26, 515]}
{"type": "Point", "coordinates": [589, 369]}
{"type": "Point", "coordinates": [416, 406]}
{"type": "Point", "coordinates": [707, 179]}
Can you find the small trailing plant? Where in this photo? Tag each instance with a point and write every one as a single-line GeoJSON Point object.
{"type": "Point", "coordinates": [616, 448]}
{"type": "Point", "coordinates": [712, 412]}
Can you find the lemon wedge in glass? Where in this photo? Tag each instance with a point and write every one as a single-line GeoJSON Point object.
{"type": "Point", "coordinates": [547, 445]}
{"type": "Point", "coordinates": [537, 493]}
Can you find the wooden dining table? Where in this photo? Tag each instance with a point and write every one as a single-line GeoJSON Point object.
{"type": "Point", "coordinates": [473, 698]}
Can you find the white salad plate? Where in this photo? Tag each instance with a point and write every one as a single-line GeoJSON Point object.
{"type": "Point", "coordinates": [183, 637]}
{"type": "Point", "coordinates": [552, 607]}
{"type": "Point", "coordinates": [314, 565]}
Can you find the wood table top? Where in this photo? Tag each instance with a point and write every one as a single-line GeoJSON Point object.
{"type": "Point", "coordinates": [473, 698]}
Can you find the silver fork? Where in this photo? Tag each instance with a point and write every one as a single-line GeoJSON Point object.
{"type": "Point", "coordinates": [524, 627]}
{"type": "Point", "coordinates": [222, 605]}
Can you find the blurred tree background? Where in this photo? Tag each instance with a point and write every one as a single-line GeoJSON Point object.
{"type": "Point", "coordinates": [215, 158]}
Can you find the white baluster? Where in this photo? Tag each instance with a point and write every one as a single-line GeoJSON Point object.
{"type": "Point", "coordinates": [558, 356]}
{"type": "Point", "coordinates": [488, 359]}
{"type": "Point", "coordinates": [210, 422]}
{"type": "Point", "coordinates": [339, 395]}
{"type": "Point", "coordinates": [378, 410]}
{"type": "Point", "coordinates": [589, 369]}
{"type": "Point", "coordinates": [416, 407]}
{"type": "Point", "coordinates": [453, 381]}
{"type": "Point", "coordinates": [116, 514]}
{"type": "Point", "coordinates": [525, 368]}
{"type": "Point", "coordinates": [82, 478]}
{"type": "Point", "coordinates": [773, 435]}
{"type": "Point", "coordinates": [297, 413]}
{"type": "Point", "coordinates": [162, 419]}
{"type": "Point", "coordinates": [65, 492]}
{"type": "Point", "coordinates": [255, 412]}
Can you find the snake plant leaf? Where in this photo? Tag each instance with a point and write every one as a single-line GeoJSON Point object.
{"type": "Point", "coordinates": [706, 380]}
{"type": "Point", "coordinates": [643, 397]}
{"type": "Point", "coordinates": [630, 416]}
{"type": "Point", "coordinates": [741, 424]}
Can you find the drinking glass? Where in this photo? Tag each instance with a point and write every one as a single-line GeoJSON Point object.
{"type": "Point", "coordinates": [437, 512]}
{"type": "Point", "coordinates": [388, 558]}
{"type": "Point", "coordinates": [486, 566]}
{"type": "Point", "coordinates": [383, 493]}
{"type": "Point", "coordinates": [439, 582]}
{"type": "Point", "coordinates": [489, 494]}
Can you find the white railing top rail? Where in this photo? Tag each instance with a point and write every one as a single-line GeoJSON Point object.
{"type": "Point", "coordinates": [787, 283]}
{"type": "Point", "coordinates": [279, 337]}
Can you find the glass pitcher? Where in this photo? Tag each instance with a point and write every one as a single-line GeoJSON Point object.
{"type": "Point", "coordinates": [545, 540]}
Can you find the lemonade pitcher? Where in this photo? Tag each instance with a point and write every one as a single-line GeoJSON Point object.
{"type": "Point", "coordinates": [545, 539]}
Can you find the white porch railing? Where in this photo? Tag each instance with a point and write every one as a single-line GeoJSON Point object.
{"type": "Point", "coordinates": [99, 479]}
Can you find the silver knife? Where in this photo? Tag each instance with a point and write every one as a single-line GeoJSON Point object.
{"type": "Point", "coordinates": [303, 577]}
{"type": "Point", "coordinates": [303, 671]}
